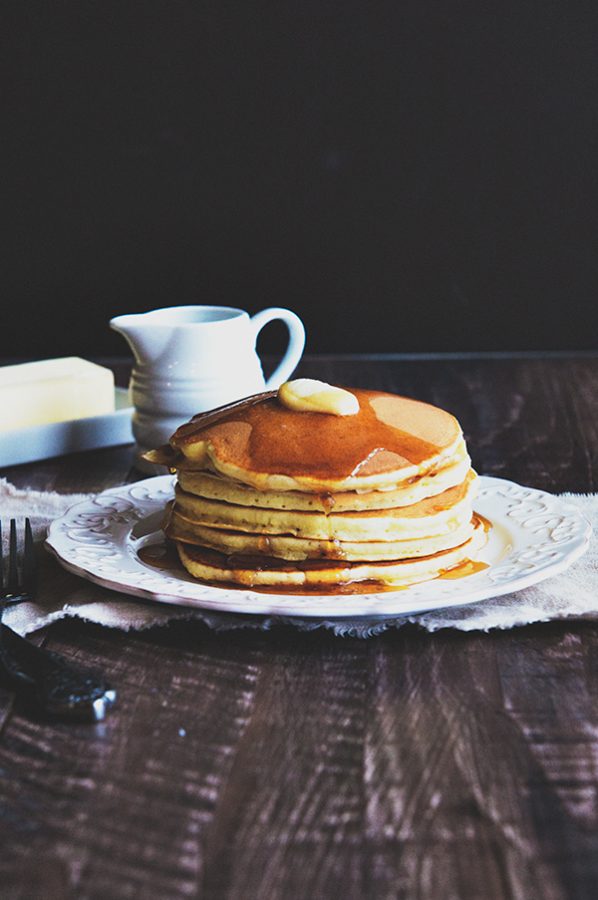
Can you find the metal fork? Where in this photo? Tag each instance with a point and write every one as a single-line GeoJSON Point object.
{"type": "Point", "coordinates": [59, 688]}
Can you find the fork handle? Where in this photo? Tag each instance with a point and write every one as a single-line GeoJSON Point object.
{"type": "Point", "coordinates": [62, 690]}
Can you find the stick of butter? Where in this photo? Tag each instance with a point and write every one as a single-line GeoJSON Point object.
{"type": "Point", "coordinates": [53, 390]}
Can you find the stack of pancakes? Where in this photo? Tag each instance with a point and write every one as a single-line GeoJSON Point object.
{"type": "Point", "coordinates": [275, 497]}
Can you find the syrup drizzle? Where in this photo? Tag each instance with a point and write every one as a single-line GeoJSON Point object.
{"type": "Point", "coordinates": [261, 435]}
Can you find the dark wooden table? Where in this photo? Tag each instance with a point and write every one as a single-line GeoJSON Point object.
{"type": "Point", "coordinates": [290, 765]}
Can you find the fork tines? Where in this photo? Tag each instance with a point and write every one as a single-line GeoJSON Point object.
{"type": "Point", "coordinates": [20, 581]}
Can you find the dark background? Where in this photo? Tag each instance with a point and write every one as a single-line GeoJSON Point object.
{"type": "Point", "coordinates": [405, 175]}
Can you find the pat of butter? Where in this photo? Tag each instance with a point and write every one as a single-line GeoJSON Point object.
{"type": "Point", "coordinates": [309, 395]}
{"type": "Point", "coordinates": [53, 390]}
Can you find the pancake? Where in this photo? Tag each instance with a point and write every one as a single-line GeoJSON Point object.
{"type": "Point", "coordinates": [317, 486]}
{"type": "Point", "coordinates": [430, 517]}
{"type": "Point", "coordinates": [211, 566]}
{"type": "Point", "coordinates": [259, 442]}
{"type": "Point", "coordinates": [289, 547]}
{"type": "Point", "coordinates": [213, 486]}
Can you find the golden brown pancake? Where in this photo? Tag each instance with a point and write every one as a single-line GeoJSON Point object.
{"type": "Point", "coordinates": [260, 442]}
{"type": "Point", "coordinates": [253, 571]}
{"type": "Point", "coordinates": [290, 547]}
{"type": "Point", "coordinates": [433, 516]}
{"type": "Point", "coordinates": [213, 486]}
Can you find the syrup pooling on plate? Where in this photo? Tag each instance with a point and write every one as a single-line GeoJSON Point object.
{"type": "Point", "coordinates": [162, 556]}
{"type": "Point", "coordinates": [464, 569]}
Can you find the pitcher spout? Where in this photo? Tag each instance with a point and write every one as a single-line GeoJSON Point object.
{"type": "Point", "coordinates": [145, 341]}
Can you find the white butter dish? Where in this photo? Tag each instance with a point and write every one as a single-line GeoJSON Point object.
{"type": "Point", "coordinates": [26, 445]}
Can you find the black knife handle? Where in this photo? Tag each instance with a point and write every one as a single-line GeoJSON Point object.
{"type": "Point", "coordinates": [62, 690]}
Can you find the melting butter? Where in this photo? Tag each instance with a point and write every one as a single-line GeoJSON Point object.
{"type": "Point", "coordinates": [310, 395]}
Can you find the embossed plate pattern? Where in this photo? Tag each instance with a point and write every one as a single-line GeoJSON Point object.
{"type": "Point", "coordinates": [534, 535]}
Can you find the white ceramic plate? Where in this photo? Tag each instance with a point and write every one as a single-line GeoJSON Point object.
{"type": "Point", "coordinates": [534, 535]}
{"type": "Point", "coordinates": [23, 445]}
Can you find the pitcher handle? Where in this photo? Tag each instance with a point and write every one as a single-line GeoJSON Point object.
{"type": "Point", "coordinates": [296, 342]}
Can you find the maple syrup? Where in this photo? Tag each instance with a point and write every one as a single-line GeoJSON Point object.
{"type": "Point", "coordinates": [259, 434]}
{"type": "Point", "coordinates": [465, 568]}
{"type": "Point", "coordinates": [163, 556]}
{"type": "Point", "coordinates": [160, 556]}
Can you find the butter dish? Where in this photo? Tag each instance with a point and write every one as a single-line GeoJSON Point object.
{"type": "Point", "coordinates": [24, 445]}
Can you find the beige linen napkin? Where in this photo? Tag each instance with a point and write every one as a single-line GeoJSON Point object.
{"type": "Point", "coordinates": [572, 594]}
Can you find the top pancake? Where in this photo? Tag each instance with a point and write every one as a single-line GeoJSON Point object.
{"type": "Point", "coordinates": [262, 443]}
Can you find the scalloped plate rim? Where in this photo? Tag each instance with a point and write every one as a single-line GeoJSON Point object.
{"type": "Point", "coordinates": [408, 601]}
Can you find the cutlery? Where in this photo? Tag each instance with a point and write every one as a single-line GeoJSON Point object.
{"type": "Point", "coordinates": [59, 689]}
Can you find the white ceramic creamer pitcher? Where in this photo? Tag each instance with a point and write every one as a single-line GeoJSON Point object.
{"type": "Point", "coordinates": [189, 359]}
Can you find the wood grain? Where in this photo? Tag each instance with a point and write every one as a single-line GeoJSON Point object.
{"type": "Point", "coordinates": [289, 765]}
